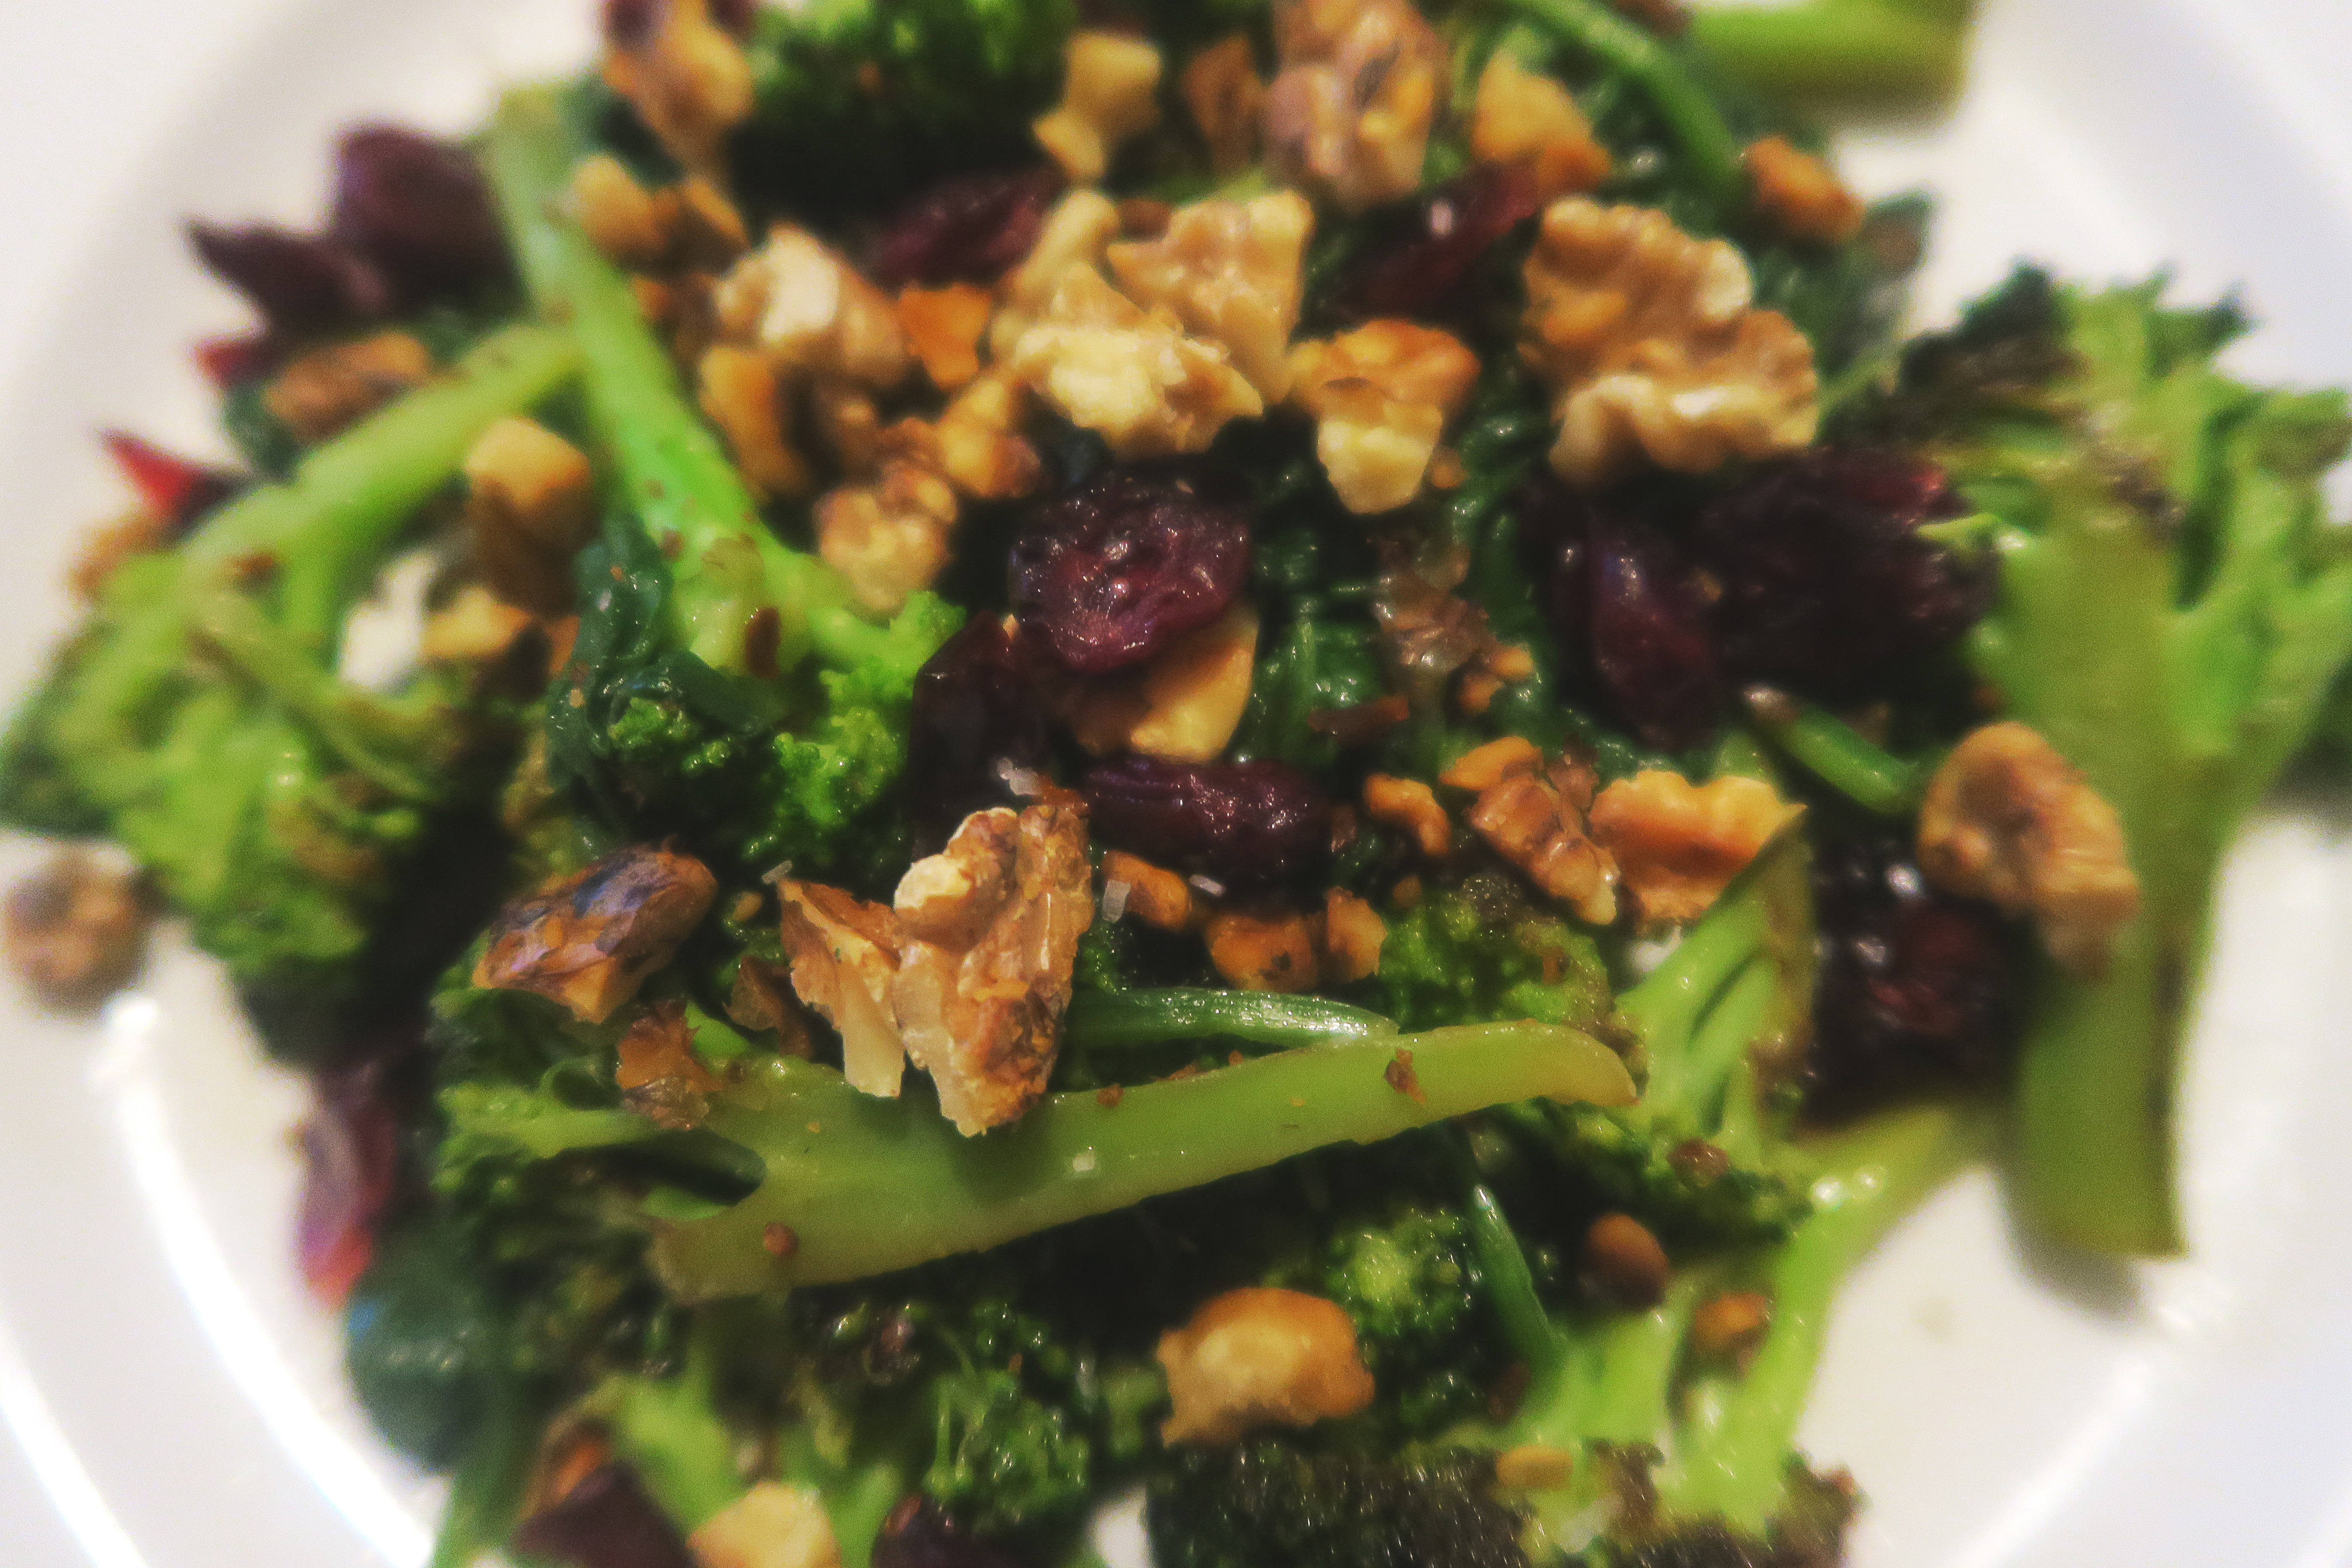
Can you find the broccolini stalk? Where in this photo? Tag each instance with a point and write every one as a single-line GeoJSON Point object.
{"type": "Point", "coordinates": [1110, 1019]}
{"type": "Point", "coordinates": [857, 1185]}
{"type": "Point", "coordinates": [670, 1432]}
{"type": "Point", "coordinates": [1834, 752]}
{"type": "Point", "coordinates": [1846, 49]}
{"type": "Point", "coordinates": [2174, 605]}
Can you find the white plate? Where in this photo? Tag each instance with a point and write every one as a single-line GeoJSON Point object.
{"type": "Point", "coordinates": [174, 1401]}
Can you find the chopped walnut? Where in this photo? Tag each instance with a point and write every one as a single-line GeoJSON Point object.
{"type": "Point", "coordinates": [1533, 815]}
{"type": "Point", "coordinates": [620, 216]}
{"type": "Point", "coordinates": [771, 1526]}
{"type": "Point", "coordinates": [688, 80]}
{"type": "Point", "coordinates": [75, 930]}
{"type": "Point", "coordinates": [1184, 705]}
{"type": "Point", "coordinates": [845, 954]}
{"type": "Point", "coordinates": [530, 503]}
{"type": "Point", "coordinates": [331, 388]}
{"type": "Point", "coordinates": [1222, 88]}
{"type": "Point", "coordinates": [1484, 767]}
{"type": "Point", "coordinates": [707, 232]}
{"type": "Point", "coordinates": [1111, 91]}
{"type": "Point", "coordinates": [589, 940]}
{"type": "Point", "coordinates": [889, 538]}
{"type": "Point", "coordinates": [476, 627]}
{"type": "Point", "coordinates": [849, 420]}
{"type": "Point", "coordinates": [944, 327]}
{"type": "Point", "coordinates": [1073, 239]}
{"type": "Point", "coordinates": [1132, 377]}
{"type": "Point", "coordinates": [1231, 272]}
{"type": "Point", "coordinates": [1429, 633]}
{"type": "Point", "coordinates": [1272, 952]}
{"type": "Point", "coordinates": [683, 308]}
{"type": "Point", "coordinates": [1678, 844]}
{"type": "Point", "coordinates": [740, 392]}
{"type": "Point", "coordinates": [1523, 117]}
{"type": "Point", "coordinates": [1649, 342]}
{"type": "Point", "coordinates": [1349, 114]}
{"type": "Point", "coordinates": [1257, 1357]}
{"type": "Point", "coordinates": [1353, 934]}
{"type": "Point", "coordinates": [2008, 818]}
{"type": "Point", "coordinates": [659, 1074]}
{"type": "Point", "coordinates": [1410, 807]}
{"type": "Point", "coordinates": [980, 445]}
{"type": "Point", "coordinates": [1381, 396]}
{"type": "Point", "coordinates": [1152, 894]}
{"type": "Point", "coordinates": [993, 922]}
{"type": "Point", "coordinates": [807, 309]}
{"type": "Point", "coordinates": [1801, 194]}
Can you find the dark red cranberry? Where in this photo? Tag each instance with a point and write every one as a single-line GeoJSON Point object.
{"type": "Point", "coordinates": [976, 709]}
{"type": "Point", "coordinates": [419, 209]}
{"type": "Point", "coordinates": [351, 1156]}
{"type": "Point", "coordinates": [1826, 586]}
{"type": "Point", "coordinates": [1108, 575]}
{"type": "Point", "coordinates": [232, 359]}
{"type": "Point", "coordinates": [1241, 824]}
{"type": "Point", "coordinates": [1917, 988]}
{"type": "Point", "coordinates": [299, 283]}
{"type": "Point", "coordinates": [1417, 273]}
{"type": "Point", "coordinates": [971, 230]}
{"type": "Point", "coordinates": [918, 1535]}
{"type": "Point", "coordinates": [606, 1521]}
{"type": "Point", "coordinates": [175, 488]}
{"type": "Point", "coordinates": [629, 24]}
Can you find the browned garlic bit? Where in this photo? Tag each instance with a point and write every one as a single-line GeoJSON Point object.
{"type": "Point", "coordinates": [1264, 952]}
{"type": "Point", "coordinates": [1523, 117]}
{"type": "Point", "coordinates": [992, 926]}
{"type": "Point", "coordinates": [1533, 815]}
{"type": "Point", "coordinates": [1152, 894]}
{"type": "Point", "coordinates": [1348, 116]}
{"type": "Point", "coordinates": [1222, 88]}
{"type": "Point", "coordinates": [1410, 807]}
{"type": "Point", "coordinates": [589, 940]}
{"type": "Point", "coordinates": [2009, 819]}
{"type": "Point", "coordinates": [75, 930]}
{"type": "Point", "coordinates": [1184, 705]}
{"type": "Point", "coordinates": [845, 954]}
{"type": "Point", "coordinates": [1800, 193]}
{"type": "Point", "coordinates": [740, 392]}
{"type": "Point", "coordinates": [1651, 345]}
{"type": "Point", "coordinates": [531, 501]}
{"type": "Point", "coordinates": [1678, 844]}
{"type": "Point", "coordinates": [1231, 272]}
{"type": "Point", "coordinates": [1382, 396]}
{"type": "Point", "coordinates": [1353, 935]}
{"type": "Point", "coordinates": [1257, 1357]}
{"type": "Point", "coordinates": [328, 389]}
{"type": "Point", "coordinates": [1111, 91]}
{"type": "Point", "coordinates": [771, 1526]}
{"type": "Point", "coordinates": [689, 81]}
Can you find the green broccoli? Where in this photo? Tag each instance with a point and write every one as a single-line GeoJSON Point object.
{"type": "Point", "coordinates": [1269, 1503]}
{"type": "Point", "coordinates": [2174, 606]}
{"type": "Point", "coordinates": [199, 719]}
{"type": "Point", "coordinates": [1482, 953]}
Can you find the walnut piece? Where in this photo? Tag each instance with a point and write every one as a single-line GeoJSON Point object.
{"type": "Point", "coordinates": [1257, 1357]}
{"type": "Point", "coordinates": [1111, 90]}
{"type": "Point", "coordinates": [1523, 117]}
{"type": "Point", "coordinates": [1801, 194]}
{"type": "Point", "coordinates": [889, 539]}
{"type": "Point", "coordinates": [1382, 396]}
{"type": "Point", "coordinates": [979, 441]}
{"type": "Point", "coordinates": [1222, 88]}
{"type": "Point", "coordinates": [808, 309]}
{"type": "Point", "coordinates": [1130, 375]}
{"type": "Point", "coordinates": [1074, 237]}
{"type": "Point", "coordinates": [476, 627]}
{"type": "Point", "coordinates": [845, 954]}
{"type": "Point", "coordinates": [1678, 844]}
{"type": "Point", "coordinates": [2009, 819]}
{"type": "Point", "coordinates": [1350, 113]}
{"type": "Point", "coordinates": [588, 941]}
{"type": "Point", "coordinates": [659, 1074]}
{"type": "Point", "coordinates": [620, 216]}
{"type": "Point", "coordinates": [1353, 934]}
{"type": "Point", "coordinates": [75, 930]}
{"type": "Point", "coordinates": [1651, 345]}
{"type": "Point", "coordinates": [992, 924]}
{"type": "Point", "coordinates": [1182, 705]}
{"type": "Point", "coordinates": [944, 327]}
{"type": "Point", "coordinates": [689, 81]}
{"type": "Point", "coordinates": [1231, 272]}
{"type": "Point", "coordinates": [771, 1526]}
{"type": "Point", "coordinates": [739, 390]}
{"type": "Point", "coordinates": [1410, 807]}
{"type": "Point", "coordinates": [1268, 952]}
{"type": "Point", "coordinates": [328, 389]}
{"type": "Point", "coordinates": [530, 502]}
{"type": "Point", "coordinates": [1533, 815]}
{"type": "Point", "coordinates": [1152, 894]}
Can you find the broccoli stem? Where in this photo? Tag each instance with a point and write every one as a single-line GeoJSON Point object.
{"type": "Point", "coordinates": [1876, 50]}
{"type": "Point", "coordinates": [1114, 1019]}
{"type": "Point", "coordinates": [487, 1490]}
{"type": "Point", "coordinates": [670, 1433]}
{"type": "Point", "coordinates": [1836, 753]}
{"type": "Point", "coordinates": [729, 566]}
{"type": "Point", "coordinates": [861, 1185]}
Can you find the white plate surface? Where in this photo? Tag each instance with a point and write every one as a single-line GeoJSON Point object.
{"type": "Point", "coordinates": [172, 1401]}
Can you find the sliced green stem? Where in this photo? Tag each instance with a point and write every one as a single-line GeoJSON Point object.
{"type": "Point", "coordinates": [1841, 757]}
{"type": "Point", "coordinates": [1849, 49]}
{"type": "Point", "coordinates": [1110, 1020]}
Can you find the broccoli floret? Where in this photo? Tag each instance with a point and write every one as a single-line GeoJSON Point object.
{"type": "Point", "coordinates": [1271, 1504]}
{"type": "Point", "coordinates": [1005, 1460]}
{"type": "Point", "coordinates": [1483, 952]}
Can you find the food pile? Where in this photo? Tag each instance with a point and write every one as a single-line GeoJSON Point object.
{"type": "Point", "coordinates": [1269, 753]}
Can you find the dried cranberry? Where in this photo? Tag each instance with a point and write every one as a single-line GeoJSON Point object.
{"type": "Point", "coordinates": [1451, 228]}
{"type": "Point", "coordinates": [232, 359]}
{"type": "Point", "coordinates": [1826, 586]}
{"type": "Point", "coordinates": [176, 489]}
{"type": "Point", "coordinates": [606, 1521]}
{"type": "Point", "coordinates": [918, 1535]}
{"type": "Point", "coordinates": [419, 209]}
{"type": "Point", "coordinates": [299, 283]}
{"type": "Point", "coordinates": [1109, 574]}
{"type": "Point", "coordinates": [1916, 986]}
{"type": "Point", "coordinates": [351, 1154]}
{"type": "Point", "coordinates": [1242, 823]}
{"type": "Point", "coordinates": [976, 708]}
{"type": "Point", "coordinates": [969, 229]}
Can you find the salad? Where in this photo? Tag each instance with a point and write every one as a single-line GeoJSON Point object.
{"type": "Point", "coordinates": [1271, 754]}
